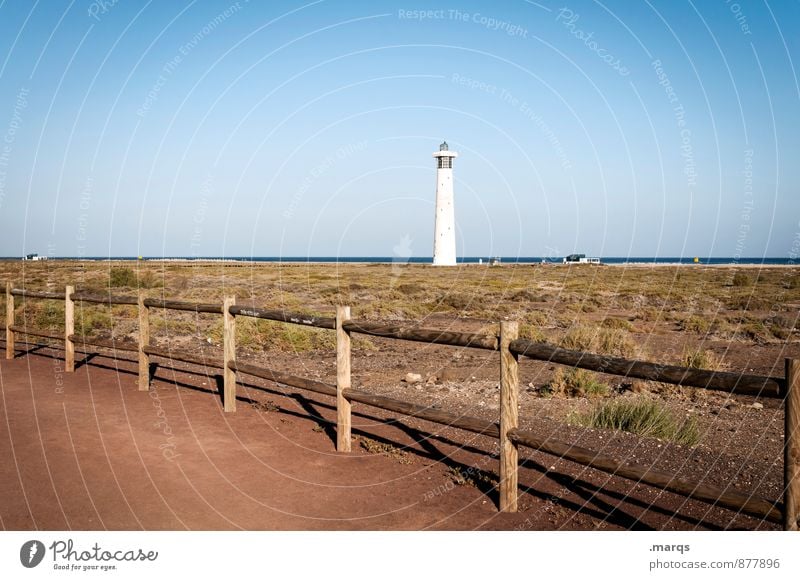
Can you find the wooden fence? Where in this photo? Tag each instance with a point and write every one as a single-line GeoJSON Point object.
{"type": "Point", "coordinates": [507, 430]}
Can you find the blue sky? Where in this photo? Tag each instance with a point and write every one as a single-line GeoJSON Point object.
{"type": "Point", "coordinates": [306, 128]}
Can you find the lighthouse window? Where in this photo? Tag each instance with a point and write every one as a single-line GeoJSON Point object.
{"type": "Point", "coordinates": [445, 163]}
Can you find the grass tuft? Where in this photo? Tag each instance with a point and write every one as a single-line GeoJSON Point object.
{"type": "Point", "coordinates": [378, 448]}
{"type": "Point", "coordinates": [702, 359]}
{"type": "Point", "coordinates": [647, 418]}
{"type": "Point", "coordinates": [126, 278]}
{"type": "Point", "coordinates": [617, 323]}
{"type": "Point", "coordinates": [741, 279]}
{"type": "Point", "coordinates": [613, 341]}
{"type": "Point", "coordinates": [472, 476]}
{"type": "Point", "coordinates": [695, 323]}
{"type": "Point", "coordinates": [576, 383]}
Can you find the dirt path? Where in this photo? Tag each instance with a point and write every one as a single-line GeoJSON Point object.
{"type": "Point", "coordinates": [88, 451]}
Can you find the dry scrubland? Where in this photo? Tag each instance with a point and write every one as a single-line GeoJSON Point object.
{"type": "Point", "coordinates": [726, 318]}
{"type": "Point", "coordinates": [617, 310]}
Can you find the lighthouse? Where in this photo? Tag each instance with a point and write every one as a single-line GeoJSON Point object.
{"type": "Point", "coordinates": [444, 232]}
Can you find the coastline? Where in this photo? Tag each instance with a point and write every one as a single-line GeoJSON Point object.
{"type": "Point", "coordinates": [749, 263]}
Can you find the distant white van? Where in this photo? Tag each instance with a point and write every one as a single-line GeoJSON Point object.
{"type": "Point", "coordinates": [580, 259]}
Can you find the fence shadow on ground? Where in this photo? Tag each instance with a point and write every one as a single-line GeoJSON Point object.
{"type": "Point", "coordinates": [593, 504]}
{"type": "Point", "coordinates": [505, 432]}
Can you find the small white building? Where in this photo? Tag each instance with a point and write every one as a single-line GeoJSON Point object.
{"type": "Point", "coordinates": [34, 257]}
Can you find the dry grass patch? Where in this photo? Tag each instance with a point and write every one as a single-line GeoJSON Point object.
{"type": "Point", "coordinates": [694, 323]}
{"type": "Point", "coordinates": [702, 359]}
{"type": "Point", "coordinates": [613, 341]}
{"type": "Point", "coordinates": [644, 417]}
{"type": "Point", "coordinates": [472, 476]}
{"type": "Point", "coordinates": [575, 383]}
{"type": "Point", "coordinates": [378, 448]}
{"type": "Point", "coordinates": [617, 323]}
{"type": "Point", "coordinates": [269, 335]}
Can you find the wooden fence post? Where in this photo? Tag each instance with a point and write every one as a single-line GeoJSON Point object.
{"type": "Point", "coordinates": [69, 330]}
{"type": "Point", "coordinates": [144, 340]}
{"type": "Point", "coordinates": [342, 380]}
{"type": "Point", "coordinates": [9, 322]}
{"type": "Point", "coordinates": [791, 450]}
{"type": "Point", "coordinates": [229, 355]}
{"type": "Point", "coordinates": [509, 418]}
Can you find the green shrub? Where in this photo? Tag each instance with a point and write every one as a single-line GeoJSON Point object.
{"type": "Point", "coordinates": [755, 331]}
{"type": "Point", "coordinates": [531, 332]}
{"type": "Point", "coordinates": [456, 300]}
{"type": "Point", "coordinates": [650, 314]}
{"type": "Point", "coordinates": [787, 322]}
{"type": "Point", "coordinates": [782, 327]}
{"type": "Point", "coordinates": [527, 296]}
{"type": "Point", "coordinates": [611, 341]}
{"type": "Point", "coordinates": [618, 323]}
{"type": "Point", "coordinates": [617, 342]}
{"type": "Point", "coordinates": [779, 332]}
{"type": "Point", "coordinates": [701, 359]}
{"type": "Point", "coordinates": [693, 323]}
{"type": "Point", "coordinates": [276, 336]}
{"type": "Point", "coordinates": [576, 383]}
{"type": "Point", "coordinates": [647, 418]}
{"type": "Point", "coordinates": [125, 277]}
{"type": "Point", "coordinates": [49, 314]}
{"type": "Point", "coordinates": [741, 279]}
{"type": "Point", "coordinates": [91, 319]}
{"type": "Point", "coordinates": [581, 307]}
{"type": "Point", "coordinates": [749, 303]}
{"type": "Point", "coordinates": [405, 289]}
{"type": "Point", "coordinates": [579, 338]}
{"type": "Point", "coordinates": [122, 277]}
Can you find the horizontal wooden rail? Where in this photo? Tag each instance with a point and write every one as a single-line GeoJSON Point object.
{"type": "Point", "coordinates": [472, 424]}
{"type": "Point", "coordinates": [507, 430]}
{"type": "Point", "coordinates": [283, 378]}
{"type": "Point", "coordinates": [37, 294]}
{"type": "Point", "coordinates": [103, 298]}
{"type": "Point", "coordinates": [749, 504]}
{"type": "Point", "coordinates": [177, 305]}
{"type": "Point", "coordinates": [181, 356]}
{"type": "Point", "coordinates": [283, 316]}
{"type": "Point", "coordinates": [428, 335]}
{"type": "Point", "coordinates": [35, 332]}
{"type": "Point", "coordinates": [104, 343]}
{"type": "Point", "coordinates": [23, 343]}
{"type": "Point", "coordinates": [714, 380]}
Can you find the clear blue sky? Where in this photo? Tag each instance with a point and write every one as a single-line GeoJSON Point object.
{"type": "Point", "coordinates": [290, 128]}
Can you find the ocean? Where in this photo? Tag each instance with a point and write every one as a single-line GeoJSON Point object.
{"type": "Point", "coordinates": [427, 260]}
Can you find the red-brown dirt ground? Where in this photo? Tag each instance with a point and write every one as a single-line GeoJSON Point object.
{"type": "Point", "coordinates": [87, 450]}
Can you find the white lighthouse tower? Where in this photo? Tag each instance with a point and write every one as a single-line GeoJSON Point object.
{"type": "Point", "coordinates": [444, 233]}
